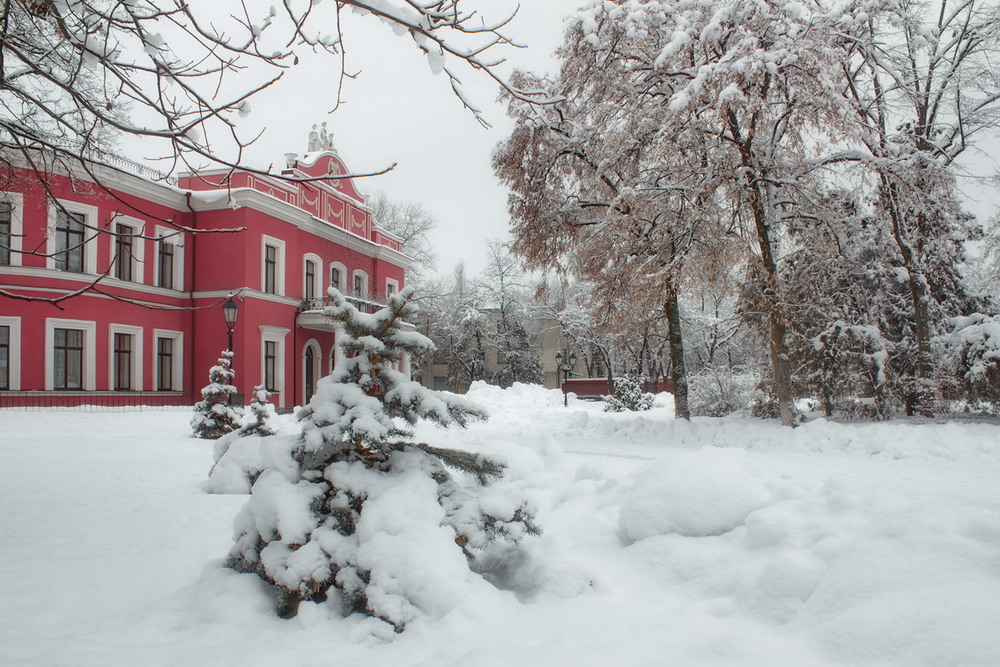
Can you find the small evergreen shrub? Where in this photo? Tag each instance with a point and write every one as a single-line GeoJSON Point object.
{"type": "Point", "coordinates": [764, 405]}
{"type": "Point", "coordinates": [214, 416]}
{"type": "Point", "coordinates": [628, 396]}
{"type": "Point", "coordinates": [260, 414]}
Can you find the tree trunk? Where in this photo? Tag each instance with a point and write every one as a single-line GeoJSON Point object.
{"type": "Point", "coordinates": [678, 372]}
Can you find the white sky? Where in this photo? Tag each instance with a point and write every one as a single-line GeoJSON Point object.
{"type": "Point", "coordinates": [398, 111]}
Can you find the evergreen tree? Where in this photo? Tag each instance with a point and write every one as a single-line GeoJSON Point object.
{"type": "Point", "coordinates": [628, 396]}
{"type": "Point", "coordinates": [214, 416]}
{"type": "Point", "coordinates": [319, 520]}
{"type": "Point", "coordinates": [519, 358]}
{"type": "Point", "coordinates": [260, 412]}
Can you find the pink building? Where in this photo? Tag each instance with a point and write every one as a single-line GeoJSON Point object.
{"type": "Point", "coordinates": [153, 264]}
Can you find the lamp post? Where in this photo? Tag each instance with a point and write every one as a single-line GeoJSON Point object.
{"type": "Point", "coordinates": [565, 363]}
{"type": "Point", "coordinates": [229, 312]}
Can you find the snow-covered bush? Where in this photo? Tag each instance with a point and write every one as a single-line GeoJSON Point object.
{"type": "Point", "coordinates": [628, 396]}
{"type": "Point", "coordinates": [972, 352]}
{"type": "Point", "coordinates": [764, 405]}
{"type": "Point", "coordinates": [719, 391]}
{"type": "Point", "coordinates": [214, 416]}
{"type": "Point", "coordinates": [260, 414]}
{"type": "Point", "coordinates": [357, 512]}
{"type": "Point", "coordinates": [238, 459]}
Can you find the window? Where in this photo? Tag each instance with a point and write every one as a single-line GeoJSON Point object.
{"type": "Point", "coordinates": [310, 292]}
{"type": "Point", "coordinates": [359, 286]}
{"type": "Point", "coordinates": [270, 268]}
{"type": "Point", "coordinates": [270, 365]}
{"type": "Point", "coordinates": [165, 264]}
{"type": "Point", "coordinates": [165, 364]}
{"type": "Point", "coordinates": [391, 287]}
{"type": "Point", "coordinates": [69, 241]}
{"type": "Point", "coordinates": [272, 274]}
{"type": "Point", "coordinates": [10, 353]}
{"type": "Point", "coordinates": [169, 256]}
{"type": "Point", "coordinates": [338, 277]}
{"type": "Point", "coordinates": [272, 360]}
{"type": "Point", "coordinates": [310, 374]}
{"type": "Point", "coordinates": [123, 344]}
{"type": "Point", "coordinates": [169, 366]}
{"type": "Point", "coordinates": [4, 357]}
{"type": "Point", "coordinates": [6, 229]}
{"type": "Point", "coordinates": [125, 251]}
{"type": "Point", "coordinates": [70, 354]}
{"type": "Point", "coordinates": [10, 229]}
{"type": "Point", "coordinates": [67, 358]}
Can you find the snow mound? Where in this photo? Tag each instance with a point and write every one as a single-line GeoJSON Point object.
{"type": "Point", "coordinates": [706, 492]}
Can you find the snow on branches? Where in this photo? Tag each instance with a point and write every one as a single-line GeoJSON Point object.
{"type": "Point", "coordinates": [214, 416]}
{"type": "Point", "coordinates": [358, 513]}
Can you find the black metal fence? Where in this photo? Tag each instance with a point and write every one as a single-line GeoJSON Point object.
{"type": "Point", "coordinates": [93, 401]}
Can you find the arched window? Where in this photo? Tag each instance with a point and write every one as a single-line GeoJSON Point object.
{"type": "Point", "coordinates": [311, 357]}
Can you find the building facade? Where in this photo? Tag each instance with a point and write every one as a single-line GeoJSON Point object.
{"type": "Point", "coordinates": [139, 269]}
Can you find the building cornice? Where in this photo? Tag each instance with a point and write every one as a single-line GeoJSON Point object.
{"type": "Point", "coordinates": [265, 203]}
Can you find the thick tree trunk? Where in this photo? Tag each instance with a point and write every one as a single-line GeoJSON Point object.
{"type": "Point", "coordinates": [915, 400]}
{"type": "Point", "coordinates": [761, 207]}
{"type": "Point", "coordinates": [781, 366]}
{"type": "Point", "coordinates": [678, 372]}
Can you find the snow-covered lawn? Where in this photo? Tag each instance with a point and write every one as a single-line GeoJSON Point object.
{"type": "Point", "coordinates": [717, 542]}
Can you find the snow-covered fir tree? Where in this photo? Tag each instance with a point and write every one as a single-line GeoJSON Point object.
{"type": "Point", "coordinates": [260, 413]}
{"type": "Point", "coordinates": [214, 416]}
{"type": "Point", "coordinates": [340, 517]}
{"type": "Point", "coordinates": [628, 395]}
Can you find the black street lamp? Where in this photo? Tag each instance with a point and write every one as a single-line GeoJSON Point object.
{"type": "Point", "coordinates": [229, 312]}
{"type": "Point", "coordinates": [565, 368]}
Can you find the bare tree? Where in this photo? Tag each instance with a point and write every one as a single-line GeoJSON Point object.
{"type": "Point", "coordinates": [77, 76]}
{"type": "Point", "coordinates": [412, 224]}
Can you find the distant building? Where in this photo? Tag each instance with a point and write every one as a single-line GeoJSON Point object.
{"type": "Point", "coordinates": [153, 268]}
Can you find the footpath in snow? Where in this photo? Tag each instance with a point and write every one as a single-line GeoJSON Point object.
{"type": "Point", "coordinates": [720, 541]}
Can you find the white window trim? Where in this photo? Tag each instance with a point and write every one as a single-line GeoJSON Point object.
{"type": "Point", "coordinates": [175, 238]}
{"type": "Point", "coordinates": [279, 278]}
{"type": "Point", "coordinates": [89, 350]}
{"type": "Point", "coordinates": [317, 279]}
{"type": "Point", "coordinates": [177, 381]}
{"type": "Point", "coordinates": [14, 362]}
{"type": "Point", "coordinates": [394, 284]}
{"type": "Point", "coordinates": [365, 287]}
{"type": "Point", "coordinates": [16, 201]}
{"type": "Point", "coordinates": [277, 336]}
{"type": "Point", "coordinates": [344, 289]}
{"type": "Point", "coordinates": [138, 249]}
{"type": "Point", "coordinates": [90, 214]}
{"type": "Point", "coordinates": [137, 357]}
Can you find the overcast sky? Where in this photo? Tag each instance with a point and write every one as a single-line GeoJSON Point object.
{"type": "Point", "coordinates": [398, 111]}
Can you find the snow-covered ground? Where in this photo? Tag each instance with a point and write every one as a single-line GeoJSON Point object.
{"type": "Point", "coordinates": [728, 541]}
